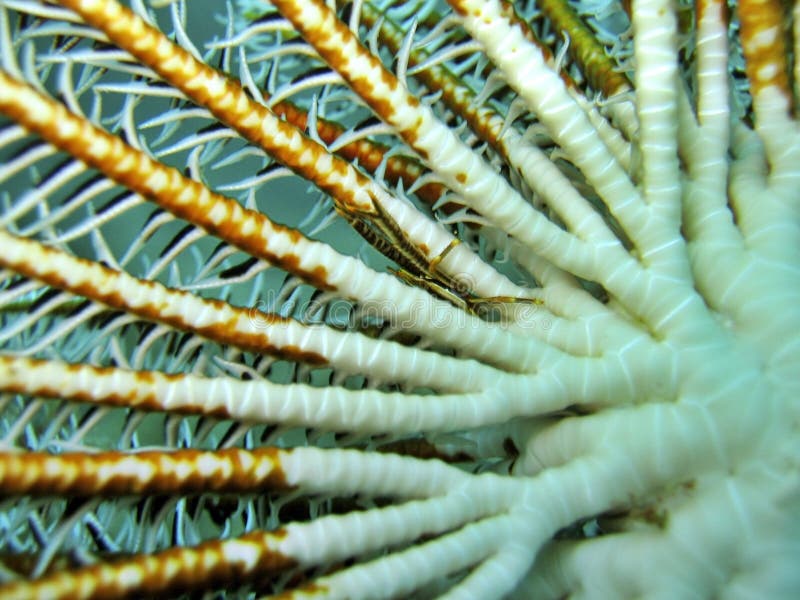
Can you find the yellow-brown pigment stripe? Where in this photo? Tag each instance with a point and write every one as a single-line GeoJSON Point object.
{"type": "Point", "coordinates": [120, 473]}
{"type": "Point", "coordinates": [109, 386]}
{"type": "Point", "coordinates": [369, 153]}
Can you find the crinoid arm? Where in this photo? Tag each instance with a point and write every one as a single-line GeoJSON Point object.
{"type": "Point", "coordinates": [311, 299]}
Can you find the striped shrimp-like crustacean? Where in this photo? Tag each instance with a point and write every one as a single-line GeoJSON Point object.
{"type": "Point", "coordinates": [396, 299]}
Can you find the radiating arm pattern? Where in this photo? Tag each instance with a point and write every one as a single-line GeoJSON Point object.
{"type": "Point", "coordinates": [310, 299]}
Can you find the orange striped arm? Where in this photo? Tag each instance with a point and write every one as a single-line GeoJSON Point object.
{"type": "Point", "coordinates": [206, 566]}
{"type": "Point", "coordinates": [584, 48]}
{"type": "Point", "coordinates": [248, 329]}
{"type": "Point", "coordinates": [763, 34]}
{"type": "Point", "coordinates": [261, 401]}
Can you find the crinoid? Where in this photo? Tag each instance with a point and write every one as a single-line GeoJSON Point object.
{"type": "Point", "coordinates": [532, 331]}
